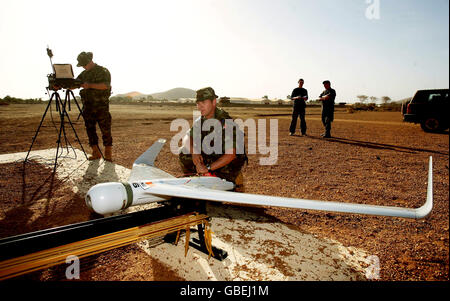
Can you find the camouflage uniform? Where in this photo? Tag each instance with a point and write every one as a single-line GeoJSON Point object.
{"type": "Point", "coordinates": [96, 105]}
{"type": "Point", "coordinates": [232, 171]}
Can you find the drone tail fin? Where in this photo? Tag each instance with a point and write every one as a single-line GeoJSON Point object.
{"type": "Point", "coordinates": [149, 156]}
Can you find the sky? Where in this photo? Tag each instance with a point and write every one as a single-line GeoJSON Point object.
{"type": "Point", "coordinates": [241, 48]}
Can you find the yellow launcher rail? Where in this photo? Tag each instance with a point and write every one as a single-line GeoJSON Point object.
{"type": "Point", "coordinates": [44, 259]}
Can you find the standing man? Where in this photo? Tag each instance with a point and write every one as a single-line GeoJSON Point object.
{"type": "Point", "coordinates": [299, 95]}
{"type": "Point", "coordinates": [95, 98]}
{"type": "Point", "coordinates": [327, 98]}
{"type": "Point", "coordinates": [226, 164]}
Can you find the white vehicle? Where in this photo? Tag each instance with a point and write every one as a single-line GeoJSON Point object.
{"type": "Point", "coordinates": [149, 184]}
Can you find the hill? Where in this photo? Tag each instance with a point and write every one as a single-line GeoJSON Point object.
{"type": "Point", "coordinates": [175, 93]}
{"type": "Point", "coordinates": [133, 94]}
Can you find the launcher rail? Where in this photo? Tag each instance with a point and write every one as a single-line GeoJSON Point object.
{"type": "Point", "coordinates": [45, 258]}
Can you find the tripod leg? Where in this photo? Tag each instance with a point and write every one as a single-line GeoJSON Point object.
{"type": "Point", "coordinates": [67, 98]}
{"type": "Point", "coordinates": [76, 102]}
{"type": "Point", "coordinates": [39, 127]}
{"type": "Point", "coordinates": [58, 109]}
{"type": "Point", "coordinates": [78, 139]}
{"type": "Point", "coordinates": [61, 128]}
{"type": "Point", "coordinates": [62, 123]}
{"type": "Point", "coordinates": [73, 128]}
{"type": "Point", "coordinates": [81, 112]}
{"type": "Point", "coordinates": [66, 101]}
{"type": "Point", "coordinates": [65, 136]}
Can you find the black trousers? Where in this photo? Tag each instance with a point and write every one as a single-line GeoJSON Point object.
{"type": "Point", "coordinates": [298, 111]}
{"type": "Point", "coordinates": [327, 118]}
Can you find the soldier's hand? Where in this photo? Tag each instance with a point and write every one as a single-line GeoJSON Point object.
{"type": "Point", "coordinates": [201, 168]}
{"type": "Point", "coordinates": [197, 159]}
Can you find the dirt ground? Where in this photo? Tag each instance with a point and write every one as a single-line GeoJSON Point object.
{"type": "Point", "coordinates": [373, 158]}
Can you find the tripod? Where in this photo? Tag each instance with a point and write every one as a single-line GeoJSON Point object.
{"type": "Point", "coordinates": [61, 109]}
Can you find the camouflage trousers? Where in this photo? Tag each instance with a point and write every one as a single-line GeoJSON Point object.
{"type": "Point", "coordinates": [97, 112]}
{"type": "Point", "coordinates": [231, 172]}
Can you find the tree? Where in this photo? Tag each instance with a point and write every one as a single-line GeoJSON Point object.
{"type": "Point", "coordinates": [362, 98]}
{"type": "Point", "coordinates": [385, 99]}
{"type": "Point", "coordinates": [373, 99]}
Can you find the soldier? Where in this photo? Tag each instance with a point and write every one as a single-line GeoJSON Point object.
{"type": "Point", "coordinates": [299, 96]}
{"type": "Point", "coordinates": [226, 164]}
{"type": "Point", "coordinates": [95, 97]}
{"type": "Point", "coordinates": [327, 98]}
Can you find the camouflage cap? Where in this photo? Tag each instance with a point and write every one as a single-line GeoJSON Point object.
{"type": "Point", "coordinates": [84, 58]}
{"type": "Point", "coordinates": [206, 93]}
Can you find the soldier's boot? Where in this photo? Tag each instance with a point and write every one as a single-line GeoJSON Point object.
{"type": "Point", "coordinates": [239, 182]}
{"type": "Point", "coordinates": [108, 153]}
{"type": "Point", "coordinates": [95, 153]}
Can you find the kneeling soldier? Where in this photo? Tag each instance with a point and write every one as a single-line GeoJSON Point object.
{"type": "Point", "coordinates": [226, 163]}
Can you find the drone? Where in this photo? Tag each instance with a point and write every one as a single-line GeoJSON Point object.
{"type": "Point", "coordinates": [149, 184]}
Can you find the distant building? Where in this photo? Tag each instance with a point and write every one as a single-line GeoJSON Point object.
{"type": "Point", "coordinates": [224, 100]}
{"type": "Point", "coordinates": [186, 100]}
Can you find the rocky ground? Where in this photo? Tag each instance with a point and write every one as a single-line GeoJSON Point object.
{"type": "Point", "coordinates": [374, 158]}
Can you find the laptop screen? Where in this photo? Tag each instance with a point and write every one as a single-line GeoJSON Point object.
{"type": "Point", "coordinates": [63, 70]}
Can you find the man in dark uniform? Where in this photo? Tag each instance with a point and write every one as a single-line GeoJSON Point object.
{"type": "Point", "coordinates": [227, 163]}
{"type": "Point", "coordinates": [95, 98]}
{"type": "Point", "coordinates": [299, 95]}
{"type": "Point", "coordinates": [327, 98]}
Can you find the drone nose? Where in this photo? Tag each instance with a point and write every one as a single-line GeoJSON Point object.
{"type": "Point", "coordinates": [107, 198]}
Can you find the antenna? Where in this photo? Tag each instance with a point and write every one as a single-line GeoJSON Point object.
{"type": "Point", "coordinates": [50, 55]}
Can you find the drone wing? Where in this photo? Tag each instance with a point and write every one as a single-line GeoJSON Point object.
{"type": "Point", "coordinates": [197, 192]}
{"type": "Point", "coordinates": [144, 166]}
